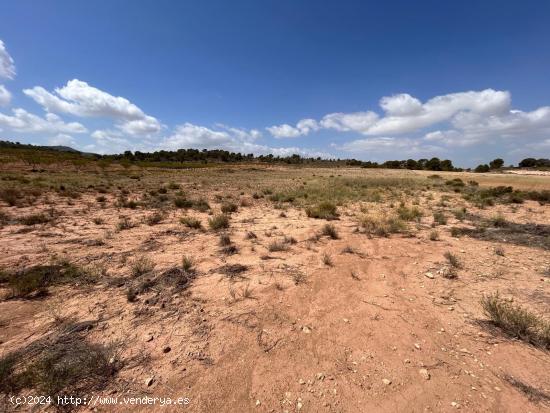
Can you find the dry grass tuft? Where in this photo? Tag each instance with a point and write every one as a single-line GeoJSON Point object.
{"type": "Point", "coordinates": [323, 210]}
{"type": "Point", "coordinates": [517, 321]}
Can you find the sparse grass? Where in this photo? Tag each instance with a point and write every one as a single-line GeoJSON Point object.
{"type": "Point", "coordinates": [278, 245]}
{"type": "Point", "coordinates": [517, 321]}
{"type": "Point", "coordinates": [409, 214]}
{"type": "Point", "coordinates": [191, 222]}
{"type": "Point", "coordinates": [154, 219]}
{"type": "Point", "coordinates": [330, 231]}
{"type": "Point", "coordinates": [498, 220]}
{"type": "Point", "coordinates": [187, 264]}
{"type": "Point", "coordinates": [452, 259]}
{"type": "Point", "coordinates": [327, 259]}
{"type": "Point", "coordinates": [233, 270]}
{"type": "Point", "coordinates": [251, 235]}
{"type": "Point", "coordinates": [348, 249]}
{"type": "Point", "coordinates": [34, 281]}
{"type": "Point", "coordinates": [57, 365]}
{"type": "Point", "coordinates": [229, 207]}
{"type": "Point", "coordinates": [217, 222]}
{"type": "Point", "coordinates": [459, 213]}
{"type": "Point", "coordinates": [439, 218]}
{"type": "Point", "coordinates": [124, 223]}
{"type": "Point", "coordinates": [11, 196]}
{"type": "Point", "coordinates": [35, 219]}
{"type": "Point", "coordinates": [182, 202]}
{"type": "Point", "coordinates": [382, 225]}
{"type": "Point", "coordinates": [201, 205]}
{"type": "Point", "coordinates": [142, 265]}
{"type": "Point", "coordinates": [224, 240]}
{"type": "Point", "coordinates": [323, 210]}
{"type": "Point", "coordinates": [434, 235]}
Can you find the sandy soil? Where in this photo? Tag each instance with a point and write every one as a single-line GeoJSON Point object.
{"type": "Point", "coordinates": [371, 332]}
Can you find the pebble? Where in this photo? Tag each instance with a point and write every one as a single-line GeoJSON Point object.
{"type": "Point", "coordinates": [417, 346]}
{"type": "Point", "coordinates": [166, 349]}
{"type": "Point", "coordinates": [306, 329]}
{"type": "Point", "coordinates": [320, 376]}
{"type": "Point", "coordinates": [455, 405]}
{"type": "Point", "coordinates": [258, 402]}
{"type": "Point", "coordinates": [429, 275]}
{"type": "Point", "coordinates": [424, 373]}
{"type": "Point", "coordinates": [149, 381]}
{"type": "Point", "coordinates": [387, 382]}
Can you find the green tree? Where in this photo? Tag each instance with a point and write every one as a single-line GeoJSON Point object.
{"type": "Point", "coordinates": [433, 164]}
{"type": "Point", "coordinates": [482, 168]}
{"type": "Point", "coordinates": [496, 163]}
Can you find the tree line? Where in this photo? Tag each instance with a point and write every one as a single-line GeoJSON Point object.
{"type": "Point", "coordinates": [223, 156]}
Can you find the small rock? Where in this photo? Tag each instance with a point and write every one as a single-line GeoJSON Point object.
{"type": "Point", "coordinates": [301, 381]}
{"type": "Point", "coordinates": [387, 382]}
{"type": "Point", "coordinates": [166, 349]}
{"type": "Point", "coordinates": [306, 329]}
{"type": "Point", "coordinates": [149, 381]}
{"type": "Point", "coordinates": [424, 373]}
{"type": "Point", "coordinates": [455, 405]}
{"type": "Point", "coordinates": [299, 405]}
{"type": "Point", "coordinates": [345, 320]}
{"type": "Point", "coordinates": [320, 376]}
{"type": "Point", "coordinates": [148, 338]}
{"type": "Point", "coordinates": [497, 388]}
{"type": "Point", "coordinates": [429, 275]}
{"type": "Point", "coordinates": [258, 402]}
{"type": "Point", "coordinates": [417, 346]}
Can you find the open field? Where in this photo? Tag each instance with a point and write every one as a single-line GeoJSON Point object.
{"type": "Point", "coordinates": [255, 288]}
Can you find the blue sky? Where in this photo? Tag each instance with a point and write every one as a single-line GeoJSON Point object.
{"type": "Point", "coordinates": [466, 80]}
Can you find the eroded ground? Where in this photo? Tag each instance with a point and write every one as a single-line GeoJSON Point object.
{"type": "Point", "coordinates": [277, 312]}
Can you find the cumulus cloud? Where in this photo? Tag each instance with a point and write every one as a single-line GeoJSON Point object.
{"type": "Point", "coordinates": [5, 96]}
{"type": "Point", "coordinates": [471, 128]}
{"type": "Point", "coordinates": [80, 99]}
{"type": "Point", "coordinates": [7, 66]}
{"type": "Point", "coordinates": [345, 122]}
{"type": "Point", "coordinates": [404, 113]}
{"type": "Point", "coordinates": [390, 147]}
{"type": "Point", "coordinates": [303, 127]}
{"type": "Point", "coordinates": [227, 138]}
{"type": "Point", "coordinates": [7, 71]}
{"type": "Point", "coordinates": [24, 122]}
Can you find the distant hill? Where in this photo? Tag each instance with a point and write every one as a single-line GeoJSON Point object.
{"type": "Point", "coordinates": [61, 148]}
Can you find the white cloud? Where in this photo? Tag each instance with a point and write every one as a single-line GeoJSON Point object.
{"type": "Point", "coordinates": [244, 141]}
{"type": "Point", "coordinates": [25, 122]}
{"type": "Point", "coordinates": [5, 96]}
{"type": "Point", "coordinates": [401, 105]}
{"type": "Point", "coordinates": [303, 127]}
{"type": "Point", "coordinates": [390, 147]}
{"type": "Point", "coordinates": [80, 99]}
{"type": "Point", "coordinates": [516, 126]}
{"type": "Point", "coordinates": [61, 140]}
{"type": "Point", "coordinates": [404, 113]}
{"type": "Point", "coordinates": [345, 122]}
{"type": "Point", "coordinates": [7, 66]}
